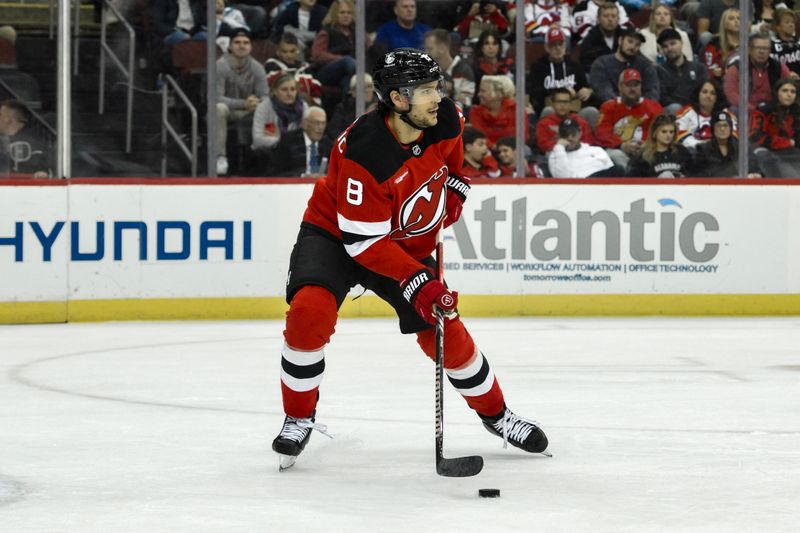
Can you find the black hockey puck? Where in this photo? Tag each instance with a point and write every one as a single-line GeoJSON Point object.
{"type": "Point", "coordinates": [489, 493]}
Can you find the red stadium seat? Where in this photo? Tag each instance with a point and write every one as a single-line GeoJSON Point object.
{"type": "Point", "coordinates": [8, 54]}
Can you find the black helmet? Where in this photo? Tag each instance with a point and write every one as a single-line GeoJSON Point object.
{"type": "Point", "coordinates": [403, 68]}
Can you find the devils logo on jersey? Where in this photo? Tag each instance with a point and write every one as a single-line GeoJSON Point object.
{"type": "Point", "coordinates": [423, 210]}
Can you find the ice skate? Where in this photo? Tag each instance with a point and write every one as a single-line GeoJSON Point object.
{"type": "Point", "coordinates": [523, 434]}
{"type": "Point", "coordinates": [293, 439]}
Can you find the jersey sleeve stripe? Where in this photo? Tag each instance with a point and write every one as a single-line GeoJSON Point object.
{"type": "Point", "coordinates": [360, 247]}
{"type": "Point", "coordinates": [368, 229]}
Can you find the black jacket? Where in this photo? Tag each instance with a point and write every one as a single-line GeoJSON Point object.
{"type": "Point", "coordinates": [290, 17]}
{"type": "Point", "coordinates": [593, 46]}
{"type": "Point", "coordinates": [165, 15]}
{"type": "Point", "coordinates": [678, 84]}
{"type": "Point", "coordinates": [289, 155]}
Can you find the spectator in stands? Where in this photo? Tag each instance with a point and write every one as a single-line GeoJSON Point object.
{"type": "Point", "coordinates": [723, 45]}
{"type": "Point", "coordinates": [254, 15]}
{"type": "Point", "coordinates": [302, 18]}
{"type": "Point", "coordinates": [662, 156]}
{"type": "Point", "coordinates": [404, 31]}
{"type": "Point", "coordinates": [709, 16]}
{"type": "Point", "coordinates": [785, 45]}
{"type": "Point", "coordinates": [624, 121]}
{"type": "Point", "coordinates": [775, 129]}
{"type": "Point", "coordinates": [572, 158]}
{"type": "Point", "coordinates": [719, 158]}
{"type": "Point", "coordinates": [660, 19]}
{"type": "Point", "coordinates": [333, 53]}
{"type": "Point", "coordinates": [587, 15]}
{"type": "Point", "coordinates": [764, 73]}
{"type": "Point", "coordinates": [229, 19]}
{"type": "Point", "coordinates": [543, 15]}
{"type": "Point", "coordinates": [241, 84]}
{"type": "Point", "coordinates": [286, 59]}
{"type": "Point", "coordinates": [556, 70]}
{"type": "Point", "coordinates": [547, 126]}
{"type": "Point", "coordinates": [678, 77]}
{"type": "Point", "coordinates": [176, 21]}
{"type": "Point", "coordinates": [694, 119]}
{"type": "Point", "coordinates": [482, 16]}
{"type": "Point", "coordinates": [478, 160]}
{"type": "Point", "coordinates": [23, 152]}
{"type": "Point", "coordinates": [495, 115]}
{"type": "Point", "coordinates": [8, 33]}
{"type": "Point", "coordinates": [437, 44]}
{"type": "Point", "coordinates": [601, 39]}
{"type": "Point", "coordinates": [304, 151]}
{"type": "Point", "coordinates": [764, 14]}
{"type": "Point", "coordinates": [282, 112]}
{"type": "Point", "coordinates": [345, 111]}
{"type": "Point", "coordinates": [607, 69]}
{"type": "Point", "coordinates": [489, 58]}
{"type": "Point", "coordinates": [506, 156]}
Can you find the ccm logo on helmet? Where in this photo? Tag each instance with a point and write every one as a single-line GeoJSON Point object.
{"type": "Point", "coordinates": [422, 211]}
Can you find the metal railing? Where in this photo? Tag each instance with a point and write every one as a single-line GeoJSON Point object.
{"type": "Point", "coordinates": [128, 71]}
{"type": "Point", "coordinates": [166, 127]}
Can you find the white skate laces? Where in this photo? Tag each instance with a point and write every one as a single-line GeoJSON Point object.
{"type": "Point", "coordinates": [515, 427]}
{"type": "Point", "coordinates": [296, 429]}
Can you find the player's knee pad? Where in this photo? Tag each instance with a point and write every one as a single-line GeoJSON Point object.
{"type": "Point", "coordinates": [311, 319]}
{"type": "Point", "coordinates": [459, 348]}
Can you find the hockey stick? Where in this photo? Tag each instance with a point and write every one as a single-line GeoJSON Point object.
{"type": "Point", "coordinates": [457, 466]}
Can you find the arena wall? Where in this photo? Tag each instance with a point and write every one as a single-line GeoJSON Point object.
{"type": "Point", "coordinates": [218, 249]}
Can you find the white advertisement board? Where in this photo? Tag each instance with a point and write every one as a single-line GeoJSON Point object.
{"type": "Point", "coordinates": [86, 242]}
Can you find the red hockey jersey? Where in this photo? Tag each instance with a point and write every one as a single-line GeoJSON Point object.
{"type": "Point", "coordinates": [383, 199]}
{"type": "Point", "coordinates": [619, 123]}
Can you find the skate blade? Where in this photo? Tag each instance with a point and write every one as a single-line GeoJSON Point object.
{"type": "Point", "coordinates": [285, 462]}
{"type": "Point", "coordinates": [546, 453]}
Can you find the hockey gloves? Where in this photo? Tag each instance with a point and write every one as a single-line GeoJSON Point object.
{"type": "Point", "coordinates": [423, 291]}
{"type": "Point", "coordinates": [457, 190]}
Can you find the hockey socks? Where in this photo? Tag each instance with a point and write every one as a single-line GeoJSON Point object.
{"type": "Point", "coordinates": [467, 368]}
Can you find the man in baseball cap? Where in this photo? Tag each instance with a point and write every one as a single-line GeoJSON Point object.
{"type": "Point", "coordinates": [679, 78]}
{"type": "Point", "coordinates": [606, 69]}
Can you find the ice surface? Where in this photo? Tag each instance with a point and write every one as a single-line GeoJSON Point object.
{"type": "Point", "coordinates": [655, 425]}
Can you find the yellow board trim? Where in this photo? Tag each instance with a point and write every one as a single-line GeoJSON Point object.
{"type": "Point", "coordinates": [372, 306]}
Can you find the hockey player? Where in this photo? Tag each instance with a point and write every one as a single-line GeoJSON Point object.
{"type": "Point", "coordinates": [372, 221]}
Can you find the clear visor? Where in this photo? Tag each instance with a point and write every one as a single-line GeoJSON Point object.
{"type": "Point", "coordinates": [427, 93]}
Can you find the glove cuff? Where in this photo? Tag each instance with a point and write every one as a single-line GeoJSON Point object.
{"type": "Point", "coordinates": [414, 283]}
{"type": "Point", "coordinates": [459, 185]}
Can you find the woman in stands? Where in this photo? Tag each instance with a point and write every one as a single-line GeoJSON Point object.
{"type": "Point", "coordinates": [694, 120]}
{"type": "Point", "coordinates": [775, 130]}
{"type": "Point", "coordinates": [719, 157]}
{"type": "Point", "coordinates": [723, 45]}
{"type": "Point", "coordinates": [333, 51]}
{"type": "Point", "coordinates": [785, 45]}
{"type": "Point", "coordinates": [661, 156]}
{"type": "Point", "coordinates": [281, 112]}
{"type": "Point", "coordinates": [660, 19]}
{"type": "Point", "coordinates": [495, 115]}
{"type": "Point", "coordinates": [489, 58]}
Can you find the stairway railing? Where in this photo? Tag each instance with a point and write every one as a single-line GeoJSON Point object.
{"type": "Point", "coordinates": [127, 71]}
{"type": "Point", "coordinates": [166, 127]}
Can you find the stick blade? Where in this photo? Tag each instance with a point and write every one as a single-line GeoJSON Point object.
{"type": "Point", "coordinates": [460, 466]}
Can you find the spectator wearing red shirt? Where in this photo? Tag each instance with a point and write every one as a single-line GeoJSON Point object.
{"type": "Point", "coordinates": [547, 127]}
{"type": "Point", "coordinates": [478, 160]}
{"type": "Point", "coordinates": [776, 131]}
{"type": "Point", "coordinates": [495, 115]}
{"type": "Point", "coordinates": [624, 121]}
{"type": "Point", "coordinates": [764, 72]}
{"type": "Point", "coordinates": [506, 156]}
